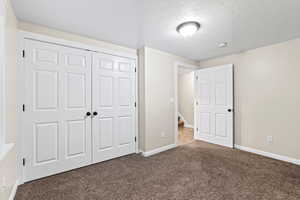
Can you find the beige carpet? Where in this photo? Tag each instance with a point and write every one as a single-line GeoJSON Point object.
{"type": "Point", "coordinates": [197, 171]}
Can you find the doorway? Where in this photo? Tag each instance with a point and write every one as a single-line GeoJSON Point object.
{"type": "Point", "coordinates": [185, 103]}
{"type": "Point", "coordinates": [212, 104]}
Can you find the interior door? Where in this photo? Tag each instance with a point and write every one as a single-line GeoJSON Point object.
{"type": "Point", "coordinates": [57, 136]}
{"type": "Point", "coordinates": [113, 107]}
{"type": "Point", "coordinates": [214, 105]}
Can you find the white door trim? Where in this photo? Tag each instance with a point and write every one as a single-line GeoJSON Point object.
{"type": "Point", "coordinates": [177, 65]}
{"type": "Point", "coordinates": [158, 150]}
{"type": "Point", "coordinates": [21, 36]}
{"type": "Point", "coordinates": [72, 44]}
{"type": "Point", "coordinates": [2, 75]}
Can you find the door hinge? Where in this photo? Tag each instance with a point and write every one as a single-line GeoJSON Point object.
{"type": "Point", "coordinates": [135, 139]}
{"type": "Point", "coordinates": [197, 129]}
{"type": "Point", "coordinates": [196, 77]}
{"type": "Point", "coordinates": [197, 103]}
{"type": "Point", "coordinates": [23, 107]}
{"type": "Point", "coordinates": [134, 69]}
{"type": "Point", "coordinates": [23, 53]}
{"type": "Point", "coordinates": [23, 161]}
{"type": "Point", "coordinates": [134, 104]}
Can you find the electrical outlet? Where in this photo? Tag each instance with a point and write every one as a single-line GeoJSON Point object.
{"type": "Point", "coordinates": [163, 134]}
{"type": "Point", "coordinates": [269, 139]}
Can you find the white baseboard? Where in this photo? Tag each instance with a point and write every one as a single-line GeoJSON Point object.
{"type": "Point", "coordinates": [186, 124]}
{"type": "Point", "coordinates": [14, 190]}
{"type": "Point", "coordinates": [158, 150]}
{"type": "Point", "coordinates": [267, 154]}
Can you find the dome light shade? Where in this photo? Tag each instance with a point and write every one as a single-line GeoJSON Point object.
{"type": "Point", "coordinates": [187, 29]}
{"type": "Point", "coordinates": [223, 45]}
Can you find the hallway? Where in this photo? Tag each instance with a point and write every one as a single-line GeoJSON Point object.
{"type": "Point", "coordinates": [185, 135]}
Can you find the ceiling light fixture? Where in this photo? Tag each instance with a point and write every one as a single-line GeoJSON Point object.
{"type": "Point", "coordinates": [223, 45]}
{"type": "Point", "coordinates": [189, 28]}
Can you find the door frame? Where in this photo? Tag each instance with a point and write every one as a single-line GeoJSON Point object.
{"type": "Point", "coordinates": [178, 65]}
{"type": "Point", "coordinates": [2, 73]}
{"type": "Point", "coordinates": [21, 89]}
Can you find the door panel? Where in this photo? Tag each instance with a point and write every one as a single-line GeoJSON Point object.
{"type": "Point", "coordinates": [204, 123]}
{"type": "Point", "coordinates": [105, 133]}
{"type": "Point", "coordinates": [221, 123]}
{"type": "Point", "coordinates": [76, 90]}
{"type": "Point", "coordinates": [46, 90]}
{"type": "Point", "coordinates": [44, 56]}
{"type": "Point", "coordinates": [125, 91]}
{"type": "Point", "coordinates": [113, 99]}
{"type": "Point", "coordinates": [76, 131]}
{"type": "Point", "coordinates": [204, 85]}
{"type": "Point", "coordinates": [125, 130]}
{"type": "Point", "coordinates": [214, 96]}
{"type": "Point", "coordinates": [57, 134]}
{"type": "Point", "coordinates": [76, 60]}
{"type": "Point", "coordinates": [46, 142]}
{"type": "Point", "coordinates": [105, 91]}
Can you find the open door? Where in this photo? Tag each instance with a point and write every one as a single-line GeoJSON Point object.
{"type": "Point", "coordinates": [214, 105]}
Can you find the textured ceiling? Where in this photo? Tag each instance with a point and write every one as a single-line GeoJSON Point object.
{"type": "Point", "coordinates": [244, 24]}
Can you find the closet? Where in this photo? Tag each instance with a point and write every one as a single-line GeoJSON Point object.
{"type": "Point", "coordinates": [80, 108]}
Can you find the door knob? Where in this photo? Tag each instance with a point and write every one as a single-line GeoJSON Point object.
{"type": "Point", "coordinates": [88, 114]}
{"type": "Point", "coordinates": [95, 113]}
{"type": "Point", "coordinates": [229, 110]}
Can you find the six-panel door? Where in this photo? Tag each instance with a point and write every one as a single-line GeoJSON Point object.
{"type": "Point", "coordinates": [58, 132]}
{"type": "Point", "coordinates": [214, 105]}
{"type": "Point", "coordinates": [113, 100]}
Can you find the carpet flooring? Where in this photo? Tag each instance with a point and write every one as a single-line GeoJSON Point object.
{"type": "Point", "coordinates": [196, 171]}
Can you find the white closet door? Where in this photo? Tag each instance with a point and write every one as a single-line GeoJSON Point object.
{"type": "Point", "coordinates": [57, 136]}
{"type": "Point", "coordinates": [113, 99]}
{"type": "Point", "coordinates": [214, 105]}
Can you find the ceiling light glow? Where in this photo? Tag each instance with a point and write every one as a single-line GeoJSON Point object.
{"type": "Point", "coordinates": [189, 28]}
{"type": "Point", "coordinates": [223, 45]}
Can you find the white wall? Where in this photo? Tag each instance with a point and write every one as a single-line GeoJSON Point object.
{"type": "Point", "coordinates": [25, 26]}
{"type": "Point", "coordinates": [267, 97]}
{"type": "Point", "coordinates": [8, 165]}
{"type": "Point", "coordinates": [186, 97]}
{"type": "Point", "coordinates": [141, 103]}
{"type": "Point", "coordinates": [158, 88]}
